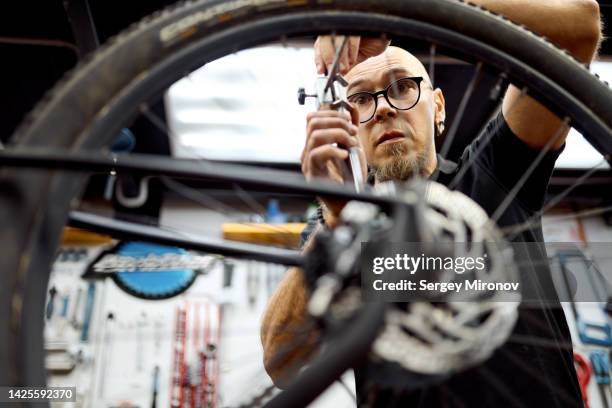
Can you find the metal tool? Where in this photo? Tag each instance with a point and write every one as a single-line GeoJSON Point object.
{"type": "Point", "coordinates": [604, 331]}
{"type": "Point", "coordinates": [139, 341]}
{"type": "Point", "coordinates": [600, 285]}
{"type": "Point", "coordinates": [269, 279]}
{"type": "Point", "coordinates": [331, 91]}
{"type": "Point", "coordinates": [89, 304]}
{"type": "Point", "coordinates": [50, 303]}
{"type": "Point", "coordinates": [252, 284]}
{"type": "Point", "coordinates": [155, 386]}
{"type": "Point", "coordinates": [75, 311]}
{"type": "Point", "coordinates": [107, 351]}
{"type": "Point", "coordinates": [157, 334]}
{"type": "Point", "coordinates": [72, 255]}
{"type": "Point", "coordinates": [601, 370]}
{"type": "Point", "coordinates": [228, 273]}
{"type": "Point", "coordinates": [64, 311]}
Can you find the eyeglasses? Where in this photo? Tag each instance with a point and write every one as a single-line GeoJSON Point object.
{"type": "Point", "coordinates": [402, 94]}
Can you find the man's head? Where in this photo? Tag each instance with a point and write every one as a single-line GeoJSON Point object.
{"type": "Point", "coordinates": [398, 143]}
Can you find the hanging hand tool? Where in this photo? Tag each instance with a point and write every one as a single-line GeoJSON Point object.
{"type": "Point", "coordinates": [64, 311]}
{"type": "Point", "coordinates": [74, 321]}
{"type": "Point", "coordinates": [50, 303]}
{"type": "Point", "coordinates": [89, 304]}
{"type": "Point", "coordinates": [107, 351]}
{"type": "Point", "coordinates": [252, 284]}
{"type": "Point", "coordinates": [155, 386]}
{"type": "Point", "coordinates": [602, 331]}
{"type": "Point", "coordinates": [583, 371]}
{"type": "Point", "coordinates": [601, 369]}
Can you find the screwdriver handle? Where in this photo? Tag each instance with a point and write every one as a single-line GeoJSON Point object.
{"type": "Point", "coordinates": [601, 366]}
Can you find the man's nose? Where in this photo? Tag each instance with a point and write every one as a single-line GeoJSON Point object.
{"type": "Point", "coordinates": [384, 110]}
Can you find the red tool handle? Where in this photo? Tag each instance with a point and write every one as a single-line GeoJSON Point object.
{"type": "Point", "coordinates": [584, 376]}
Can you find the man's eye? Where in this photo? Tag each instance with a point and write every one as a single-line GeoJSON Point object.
{"type": "Point", "coordinates": [400, 88]}
{"type": "Point", "coordinates": [359, 99]}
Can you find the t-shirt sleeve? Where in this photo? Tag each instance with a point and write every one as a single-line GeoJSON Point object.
{"type": "Point", "coordinates": [505, 158]}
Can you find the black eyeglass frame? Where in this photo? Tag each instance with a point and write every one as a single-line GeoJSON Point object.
{"type": "Point", "coordinates": [384, 92]}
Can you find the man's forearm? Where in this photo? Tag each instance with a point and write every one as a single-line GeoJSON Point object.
{"type": "Point", "coordinates": [573, 25]}
{"type": "Point", "coordinates": [288, 334]}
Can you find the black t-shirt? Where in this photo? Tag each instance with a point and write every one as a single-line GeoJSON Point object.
{"type": "Point", "coordinates": [535, 367]}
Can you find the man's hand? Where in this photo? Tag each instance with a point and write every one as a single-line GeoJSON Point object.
{"type": "Point", "coordinates": [571, 24]}
{"type": "Point", "coordinates": [328, 134]}
{"type": "Point", "coordinates": [357, 50]}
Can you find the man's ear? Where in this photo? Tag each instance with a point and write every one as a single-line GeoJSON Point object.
{"type": "Point", "coordinates": [439, 106]}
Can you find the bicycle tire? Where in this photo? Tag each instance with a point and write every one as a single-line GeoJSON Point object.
{"type": "Point", "coordinates": [90, 103]}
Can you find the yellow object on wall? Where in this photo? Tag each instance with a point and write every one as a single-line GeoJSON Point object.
{"type": "Point", "coordinates": [77, 236]}
{"type": "Point", "coordinates": [287, 235]}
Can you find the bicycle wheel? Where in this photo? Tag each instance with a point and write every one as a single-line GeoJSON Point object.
{"type": "Point", "coordinates": [118, 83]}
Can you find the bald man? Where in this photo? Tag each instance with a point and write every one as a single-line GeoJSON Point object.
{"type": "Point", "coordinates": [397, 115]}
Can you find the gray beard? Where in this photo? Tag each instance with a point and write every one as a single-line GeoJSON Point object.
{"type": "Point", "coordinates": [401, 168]}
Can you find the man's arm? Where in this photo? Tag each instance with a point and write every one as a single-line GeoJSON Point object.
{"type": "Point", "coordinates": [288, 334]}
{"type": "Point", "coordinates": [573, 25]}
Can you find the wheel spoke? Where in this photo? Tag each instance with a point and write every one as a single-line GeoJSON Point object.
{"type": "Point", "coordinates": [557, 338]}
{"type": "Point", "coordinates": [448, 140]}
{"type": "Point", "coordinates": [209, 202]}
{"type": "Point", "coordinates": [347, 389]}
{"type": "Point", "coordinates": [454, 397]}
{"type": "Point", "coordinates": [519, 184]}
{"type": "Point", "coordinates": [490, 377]}
{"type": "Point", "coordinates": [534, 220]}
{"type": "Point", "coordinates": [534, 374]}
{"type": "Point", "coordinates": [539, 341]}
{"type": "Point", "coordinates": [202, 198]}
{"type": "Point", "coordinates": [432, 64]}
{"type": "Point", "coordinates": [517, 229]}
{"type": "Point", "coordinates": [249, 201]}
{"type": "Point", "coordinates": [483, 143]}
{"type": "Point", "coordinates": [199, 197]}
